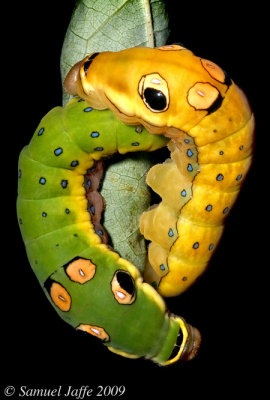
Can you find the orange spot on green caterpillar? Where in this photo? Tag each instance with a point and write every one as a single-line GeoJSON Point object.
{"type": "Point", "coordinates": [95, 331]}
{"type": "Point", "coordinates": [60, 296]}
{"type": "Point", "coordinates": [81, 270]}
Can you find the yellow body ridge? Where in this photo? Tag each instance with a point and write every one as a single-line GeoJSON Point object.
{"type": "Point", "coordinates": [193, 102]}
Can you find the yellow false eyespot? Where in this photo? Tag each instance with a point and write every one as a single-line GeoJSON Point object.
{"type": "Point", "coordinates": [154, 91]}
{"type": "Point", "coordinates": [203, 96]}
{"type": "Point", "coordinates": [214, 70]}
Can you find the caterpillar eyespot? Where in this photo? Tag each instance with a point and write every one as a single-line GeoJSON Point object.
{"type": "Point", "coordinates": [171, 98]}
{"type": "Point", "coordinates": [153, 90]}
{"type": "Point", "coordinates": [123, 287]}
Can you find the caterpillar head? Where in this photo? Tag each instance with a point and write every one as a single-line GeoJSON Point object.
{"type": "Point", "coordinates": [75, 82]}
{"type": "Point", "coordinates": [160, 88]}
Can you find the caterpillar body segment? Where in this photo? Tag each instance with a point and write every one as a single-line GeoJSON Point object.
{"type": "Point", "coordinates": [59, 209]}
{"type": "Point", "coordinates": [210, 125]}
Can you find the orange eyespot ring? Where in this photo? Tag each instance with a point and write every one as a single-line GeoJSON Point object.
{"type": "Point", "coordinates": [95, 331]}
{"type": "Point", "coordinates": [123, 287]}
{"type": "Point", "coordinates": [202, 95]}
{"type": "Point", "coordinates": [60, 296]}
{"type": "Point", "coordinates": [214, 70]}
{"type": "Point", "coordinates": [81, 270]}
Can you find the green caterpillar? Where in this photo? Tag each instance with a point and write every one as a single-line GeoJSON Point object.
{"type": "Point", "coordinates": [59, 209]}
{"type": "Point", "coordinates": [210, 125]}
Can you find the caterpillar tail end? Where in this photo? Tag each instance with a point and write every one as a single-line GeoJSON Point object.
{"type": "Point", "coordinates": [184, 347]}
{"type": "Point", "coordinates": [193, 344]}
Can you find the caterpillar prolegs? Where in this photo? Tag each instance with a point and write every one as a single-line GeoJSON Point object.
{"type": "Point", "coordinates": [194, 103]}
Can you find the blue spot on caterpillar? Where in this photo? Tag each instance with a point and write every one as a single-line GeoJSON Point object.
{"type": "Point", "coordinates": [219, 177]}
{"type": "Point", "coordinates": [58, 151]}
{"type": "Point", "coordinates": [183, 193]}
{"type": "Point", "coordinates": [64, 183]}
{"type": "Point", "coordinates": [42, 181]}
{"type": "Point", "coordinates": [40, 132]}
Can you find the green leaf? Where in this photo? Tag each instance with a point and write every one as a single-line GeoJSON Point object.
{"type": "Point", "coordinates": [127, 196]}
{"type": "Point", "coordinates": [102, 25]}
{"type": "Point", "coordinates": [112, 25]}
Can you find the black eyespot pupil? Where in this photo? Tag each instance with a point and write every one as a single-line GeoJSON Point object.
{"type": "Point", "coordinates": [125, 281]}
{"type": "Point", "coordinates": [155, 99]}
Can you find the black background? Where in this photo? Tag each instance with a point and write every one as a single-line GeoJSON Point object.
{"type": "Point", "coordinates": [227, 304]}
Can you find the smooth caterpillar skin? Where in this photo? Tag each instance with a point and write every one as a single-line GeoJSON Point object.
{"type": "Point", "coordinates": [91, 287]}
{"type": "Point", "coordinates": [208, 119]}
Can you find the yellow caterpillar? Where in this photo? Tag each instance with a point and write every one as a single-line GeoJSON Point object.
{"type": "Point", "coordinates": [209, 121]}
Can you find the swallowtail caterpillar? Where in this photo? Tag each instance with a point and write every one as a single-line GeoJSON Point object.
{"type": "Point", "coordinates": [209, 124]}
{"type": "Point", "coordinates": [59, 209]}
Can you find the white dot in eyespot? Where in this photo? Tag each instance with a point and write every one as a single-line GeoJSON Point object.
{"type": "Point", "coordinates": [96, 331]}
{"type": "Point", "coordinates": [81, 272]}
{"type": "Point", "coordinates": [200, 93]}
{"type": "Point", "coordinates": [157, 81]}
{"type": "Point", "coordinates": [120, 294]}
{"type": "Point", "coordinates": [61, 298]}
